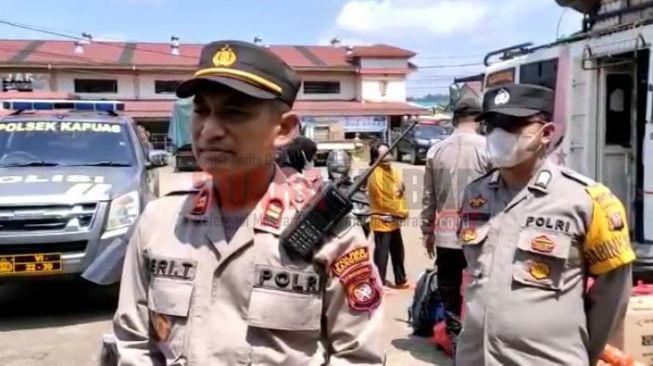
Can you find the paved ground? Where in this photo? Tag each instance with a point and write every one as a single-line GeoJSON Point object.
{"type": "Point", "coordinates": [61, 322]}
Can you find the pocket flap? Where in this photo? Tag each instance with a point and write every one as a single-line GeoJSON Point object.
{"type": "Point", "coordinates": [170, 297]}
{"type": "Point", "coordinates": [474, 235]}
{"type": "Point", "coordinates": [545, 243]}
{"type": "Point", "coordinates": [273, 309]}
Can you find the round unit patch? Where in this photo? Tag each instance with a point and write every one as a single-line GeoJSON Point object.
{"type": "Point", "coordinates": [364, 295]}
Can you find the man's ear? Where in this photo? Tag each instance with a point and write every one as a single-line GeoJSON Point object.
{"type": "Point", "coordinates": [287, 129]}
{"type": "Point", "coordinates": [548, 132]}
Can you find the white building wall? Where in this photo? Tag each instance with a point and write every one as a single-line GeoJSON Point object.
{"type": "Point", "coordinates": [146, 84]}
{"type": "Point", "coordinates": [65, 82]}
{"type": "Point", "coordinates": [372, 89]}
{"type": "Point", "coordinates": [348, 85]}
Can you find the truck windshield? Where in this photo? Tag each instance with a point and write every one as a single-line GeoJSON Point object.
{"type": "Point", "coordinates": [49, 143]}
{"type": "Point", "coordinates": [427, 132]}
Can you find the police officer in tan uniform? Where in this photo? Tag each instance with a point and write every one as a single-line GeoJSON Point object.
{"type": "Point", "coordinates": [450, 165]}
{"type": "Point", "coordinates": [206, 281]}
{"type": "Point", "coordinates": [533, 233]}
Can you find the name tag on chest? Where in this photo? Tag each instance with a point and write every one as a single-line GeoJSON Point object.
{"type": "Point", "coordinates": [175, 268]}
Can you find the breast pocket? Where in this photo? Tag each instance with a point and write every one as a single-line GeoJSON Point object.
{"type": "Point", "coordinates": [275, 309]}
{"type": "Point", "coordinates": [169, 305]}
{"type": "Point", "coordinates": [540, 259]}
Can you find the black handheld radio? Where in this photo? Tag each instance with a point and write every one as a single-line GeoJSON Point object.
{"type": "Point", "coordinates": [322, 212]}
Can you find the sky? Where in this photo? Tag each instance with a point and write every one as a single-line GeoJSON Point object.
{"type": "Point", "coordinates": [444, 33]}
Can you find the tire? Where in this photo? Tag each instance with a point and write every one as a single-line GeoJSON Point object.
{"type": "Point", "coordinates": [413, 158]}
{"type": "Point", "coordinates": [397, 154]}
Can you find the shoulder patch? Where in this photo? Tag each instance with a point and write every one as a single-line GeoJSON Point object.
{"type": "Point", "coordinates": [607, 243]}
{"type": "Point", "coordinates": [357, 275]}
{"type": "Point", "coordinates": [583, 180]}
{"type": "Point", "coordinates": [181, 192]}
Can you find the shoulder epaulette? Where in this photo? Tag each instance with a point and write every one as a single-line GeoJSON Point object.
{"type": "Point", "coordinates": [577, 177]}
{"type": "Point", "coordinates": [181, 192]}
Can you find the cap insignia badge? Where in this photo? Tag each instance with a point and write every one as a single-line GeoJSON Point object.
{"type": "Point", "coordinates": [225, 57]}
{"type": "Point", "coordinates": [502, 97]}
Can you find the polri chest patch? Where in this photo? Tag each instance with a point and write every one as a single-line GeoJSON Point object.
{"type": "Point", "coordinates": [285, 279]}
{"type": "Point", "coordinates": [550, 223]}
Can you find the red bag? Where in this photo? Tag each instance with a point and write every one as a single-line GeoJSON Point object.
{"type": "Point", "coordinates": [441, 339]}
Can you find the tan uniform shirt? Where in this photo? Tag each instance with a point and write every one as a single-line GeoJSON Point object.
{"type": "Point", "coordinates": [450, 165]}
{"type": "Point", "coordinates": [529, 257]}
{"type": "Point", "coordinates": [189, 297]}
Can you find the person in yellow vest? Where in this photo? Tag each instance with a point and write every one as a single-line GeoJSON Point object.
{"type": "Point", "coordinates": [388, 210]}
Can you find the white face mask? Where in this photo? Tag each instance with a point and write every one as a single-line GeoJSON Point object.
{"type": "Point", "coordinates": [508, 149]}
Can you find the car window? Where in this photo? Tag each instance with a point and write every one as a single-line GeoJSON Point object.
{"type": "Point", "coordinates": [65, 142]}
{"type": "Point", "coordinates": [429, 131]}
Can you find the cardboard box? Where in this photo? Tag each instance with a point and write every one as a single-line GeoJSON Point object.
{"type": "Point", "coordinates": [635, 334]}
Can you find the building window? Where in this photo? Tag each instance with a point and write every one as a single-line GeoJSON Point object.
{"type": "Point", "coordinates": [321, 87]}
{"type": "Point", "coordinates": [96, 86]}
{"type": "Point", "coordinates": [166, 86]}
{"type": "Point", "coordinates": [541, 73]}
{"type": "Point", "coordinates": [383, 88]}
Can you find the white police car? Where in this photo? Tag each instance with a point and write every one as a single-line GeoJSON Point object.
{"type": "Point", "coordinates": [74, 177]}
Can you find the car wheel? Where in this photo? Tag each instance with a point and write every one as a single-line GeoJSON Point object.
{"type": "Point", "coordinates": [397, 154]}
{"type": "Point", "coordinates": [413, 157]}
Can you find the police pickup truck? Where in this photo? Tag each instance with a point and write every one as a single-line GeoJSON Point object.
{"type": "Point", "coordinates": [74, 177]}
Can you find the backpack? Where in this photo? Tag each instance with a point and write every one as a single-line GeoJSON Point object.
{"type": "Point", "coordinates": [427, 307]}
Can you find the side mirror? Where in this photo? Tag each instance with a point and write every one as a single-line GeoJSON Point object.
{"type": "Point", "coordinates": [157, 158]}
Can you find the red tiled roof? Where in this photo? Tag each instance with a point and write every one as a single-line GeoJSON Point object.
{"type": "Point", "coordinates": [382, 51]}
{"type": "Point", "coordinates": [121, 54]}
{"type": "Point", "coordinates": [352, 108]}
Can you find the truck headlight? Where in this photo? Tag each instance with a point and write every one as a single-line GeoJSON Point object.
{"type": "Point", "coordinates": [123, 212]}
{"type": "Point", "coordinates": [422, 141]}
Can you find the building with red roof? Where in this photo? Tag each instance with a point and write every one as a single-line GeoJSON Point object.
{"type": "Point", "coordinates": [354, 86]}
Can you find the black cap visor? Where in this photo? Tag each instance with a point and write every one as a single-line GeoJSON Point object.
{"type": "Point", "coordinates": [191, 87]}
{"type": "Point", "coordinates": [513, 112]}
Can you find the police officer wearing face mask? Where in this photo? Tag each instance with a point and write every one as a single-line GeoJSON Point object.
{"type": "Point", "coordinates": [533, 233]}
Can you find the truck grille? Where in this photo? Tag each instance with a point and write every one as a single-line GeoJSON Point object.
{"type": "Point", "coordinates": [47, 218]}
{"type": "Point", "coordinates": [66, 247]}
